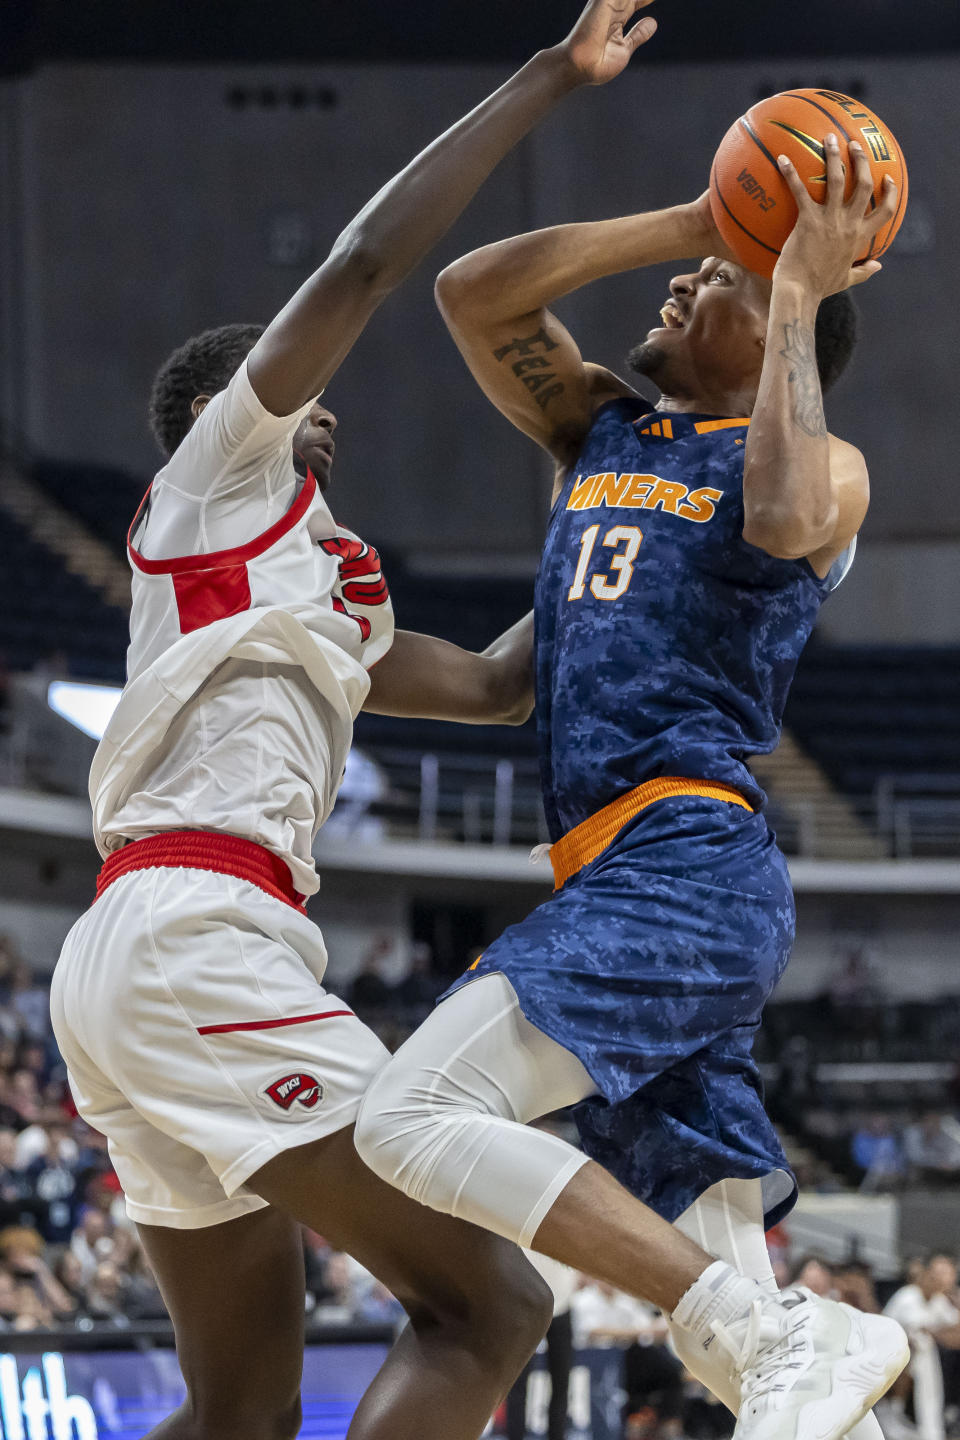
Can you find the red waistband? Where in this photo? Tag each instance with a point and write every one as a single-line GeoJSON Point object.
{"type": "Point", "coordinates": [204, 850]}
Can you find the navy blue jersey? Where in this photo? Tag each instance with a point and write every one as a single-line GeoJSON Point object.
{"type": "Point", "coordinates": [665, 644]}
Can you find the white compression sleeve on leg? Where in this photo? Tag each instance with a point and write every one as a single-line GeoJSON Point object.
{"type": "Point", "coordinates": [727, 1221]}
{"type": "Point", "coordinates": [445, 1120]}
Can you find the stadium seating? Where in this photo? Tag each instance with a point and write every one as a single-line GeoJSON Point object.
{"type": "Point", "coordinates": [45, 611]}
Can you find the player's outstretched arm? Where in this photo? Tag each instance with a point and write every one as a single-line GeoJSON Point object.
{"type": "Point", "coordinates": [496, 302]}
{"type": "Point", "coordinates": [307, 341]}
{"type": "Point", "coordinates": [805, 493]}
{"type": "Point", "coordinates": [423, 678]}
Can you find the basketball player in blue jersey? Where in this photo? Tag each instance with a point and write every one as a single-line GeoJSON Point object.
{"type": "Point", "coordinates": [688, 552]}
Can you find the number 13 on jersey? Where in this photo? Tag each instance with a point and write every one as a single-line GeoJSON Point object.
{"type": "Point", "coordinates": [612, 581]}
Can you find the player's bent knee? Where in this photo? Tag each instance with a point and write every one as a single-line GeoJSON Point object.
{"type": "Point", "coordinates": [528, 1304]}
{"type": "Point", "coordinates": [403, 1137]}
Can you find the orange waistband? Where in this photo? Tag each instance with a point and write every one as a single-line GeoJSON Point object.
{"type": "Point", "coordinates": [204, 850]}
{"type": "Point", "coordinates": [592, 836]}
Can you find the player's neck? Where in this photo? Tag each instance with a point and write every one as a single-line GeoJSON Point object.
{"type": "Point", "coordinates": [709, 401]}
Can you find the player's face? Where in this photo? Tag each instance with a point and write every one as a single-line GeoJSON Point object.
{"type": "Point", "coordinates": [313, 444]}
{"type": "Point", "coordinates": [714, 326]}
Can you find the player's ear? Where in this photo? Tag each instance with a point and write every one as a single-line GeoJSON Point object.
{"type": "Point", "coordinates": [198, 405]}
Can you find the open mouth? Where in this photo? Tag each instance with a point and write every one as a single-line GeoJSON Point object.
{"type": "Point", "coordinates": [671, 316]}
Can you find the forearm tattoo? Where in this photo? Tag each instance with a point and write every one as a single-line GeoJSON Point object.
{"type": "Point", "coordinates": [530, 365]}
{"type": "Point", "coordinates": [801, 351]}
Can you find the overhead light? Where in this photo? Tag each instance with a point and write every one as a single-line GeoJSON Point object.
{"type": "Point", "coordinates": [89, 707]}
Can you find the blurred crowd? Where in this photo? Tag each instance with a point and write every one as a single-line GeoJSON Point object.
{"type": "Point", "coordinates": [68, 1255]}
{"type": "Point", "coordinates": [70, 1258]}
{"type": "Point", "coordinates": [891, 1155]}
{"type": "Point", "coordinates": [662, 1401]}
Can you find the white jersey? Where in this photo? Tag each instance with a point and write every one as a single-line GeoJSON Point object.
{"type": "Point", "coordinates": [254, 620]}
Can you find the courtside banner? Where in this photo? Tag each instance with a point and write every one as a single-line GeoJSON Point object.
{"type": "Point", "coordinates": [108, 1394]}
{"type": "Point", "coordinates": [121, 1394]}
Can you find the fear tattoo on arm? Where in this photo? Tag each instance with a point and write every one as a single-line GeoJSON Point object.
{"type": "Point", "coordinates": [801, 350]}
{"type": "Point", "coordinates": [532, 368]}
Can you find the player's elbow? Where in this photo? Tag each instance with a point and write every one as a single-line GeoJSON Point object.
{"type": "Point", "coordinates": [787, 534]}
{"type": "Point", "coordinates": [460, 289]}
{"type": "Point", "coordinates": [365, 263]}
{"type": "Point", "coordinates": [518, 710]}
{"type": "Point", "coordinates": [507, 692]}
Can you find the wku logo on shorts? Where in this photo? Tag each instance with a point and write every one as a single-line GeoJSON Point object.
{"type": "Point", "coordinates": [297, 1089]}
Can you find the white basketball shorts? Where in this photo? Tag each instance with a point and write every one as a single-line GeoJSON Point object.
{"type": "Point", "coordinates": [199, 1039]}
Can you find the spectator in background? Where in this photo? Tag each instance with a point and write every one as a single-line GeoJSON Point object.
{"type": "Point", "coordinates": [91, 1241]}
{"type": "Point", "coordinates": [32, 1056]}
{"type": "Point", "coordinates": [54, 1183]}
{"type": "Point", "coordinates": [68, 1273]}
{"type": "Point", "coordinates": [856, 984]}
{"type": "Point", "coordinates": [419, 988]}
{"type": "Point", "coordinates": [875, 1149]}
{"type": "Point", "coordinates": [815, 1273]}
{"type": "Point", "coordinates": [9, 958]}
{"type": "Point", "coordinates": [18, 1200]}
{"type": "Point", "coordinates": [31, 1002]}
{"type": "Point", "coordinates": [853, 1285]}
{"type": "Point", "coordinates": [32, 1312]}
{"type": "Point", "coordinates": [21, 1253]}
{"type": "Point", "coordinates": [369, 992]}
{"type": "Point", "coordinates": [932, 1147]}
{"type": "Point", "coordinates": [8, 1300]}
{"type": "Point", "coordinates": [927, 1312]}
{"type": "Point", "coordinates": [105, 1294]}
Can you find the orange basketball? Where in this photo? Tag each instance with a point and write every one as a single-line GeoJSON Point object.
{"type": "Point", "coordinates": [751, 202]}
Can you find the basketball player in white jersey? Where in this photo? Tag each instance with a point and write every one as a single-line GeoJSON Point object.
{"type": "Point", "coordinates": [188, 1000]}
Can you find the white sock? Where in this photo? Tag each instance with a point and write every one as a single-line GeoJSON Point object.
{"type": "Point", "coordinates": [720, 1293]}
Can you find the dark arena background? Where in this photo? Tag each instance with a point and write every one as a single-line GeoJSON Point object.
{"type": "Point", "coordinates": [168, 168]}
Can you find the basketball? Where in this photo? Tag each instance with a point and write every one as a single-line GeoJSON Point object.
{"type": "Point", "coordinates": [751, 202]}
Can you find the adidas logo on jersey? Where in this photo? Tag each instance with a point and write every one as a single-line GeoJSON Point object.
{"type": "Point", "coordinates": [298, 1089]}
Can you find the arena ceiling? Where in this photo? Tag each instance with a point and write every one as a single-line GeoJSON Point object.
{"type": "Point", "coordinates": [34, 31]}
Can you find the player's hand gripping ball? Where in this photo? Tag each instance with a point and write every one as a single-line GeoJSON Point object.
{"type": "Point", "coordinates": [750, 200]}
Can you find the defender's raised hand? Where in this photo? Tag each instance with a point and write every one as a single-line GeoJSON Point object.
{"type": "Point", "coordinates": [302, 348]}
{"type": "Point", "coordinates": [823, 248]}
{"type": "Point", "coordinates": [597, 47]}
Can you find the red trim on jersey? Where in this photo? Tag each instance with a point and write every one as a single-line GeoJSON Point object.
{"type": "Point", "coordinates": [204, 850]}
{"type": "Point", "coordinates": [218, 559]}
{"type": "Point", "coordinates": [269, 1024]}
{"type": "Point", "coordinates": [204, 596]}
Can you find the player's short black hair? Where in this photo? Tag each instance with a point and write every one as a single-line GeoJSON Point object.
{"type": "Point", "coordinates": [203, 366]}
{"type": "Point", "coordinates": [836, 333]}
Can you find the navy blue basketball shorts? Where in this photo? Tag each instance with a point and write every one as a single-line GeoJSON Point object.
{"type": "Point", "coordinates": [652, 964]}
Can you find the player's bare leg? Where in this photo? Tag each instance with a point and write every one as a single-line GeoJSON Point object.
{"type": "Point", "coordinates": [235, 1293]}
{"type": "Point", "coordinates": [477, 1308]}
{"type": "Point", "coordinates": [447, 1121]}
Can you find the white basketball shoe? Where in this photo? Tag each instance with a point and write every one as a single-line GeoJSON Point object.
{"type": "Point", "coordinates": [809, 1368]}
